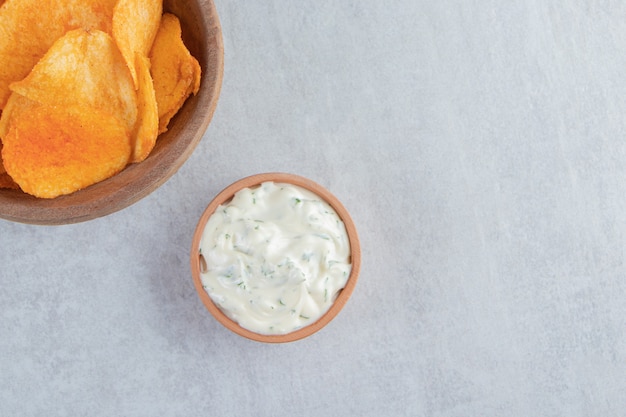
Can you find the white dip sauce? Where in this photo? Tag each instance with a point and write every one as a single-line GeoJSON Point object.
{"type": "Point", "coordinates": [277, 255]}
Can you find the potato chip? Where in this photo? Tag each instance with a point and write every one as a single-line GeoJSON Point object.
{"type": "Point", "coordinates": [51, 151]}
{"type": "Point", "coordinates": [15, 104]}
{"type": "Point", "coordinates": [135, 24]}
{"type": "Point", "coordinates": [29, 27]}
{"type": "Point", "coordinates": [86, 87]}
{"type": "Point", "coordinates": [147, 128]}
{"type": "Point", "coordinates": [83, 69]}
{"type": "Point", "coordinates": [5, 179]}
{"type": "Point", "coordinates": [176, 74]}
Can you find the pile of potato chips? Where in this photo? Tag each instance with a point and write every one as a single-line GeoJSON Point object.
{"type": "Point", "coordinates": [86, 87]}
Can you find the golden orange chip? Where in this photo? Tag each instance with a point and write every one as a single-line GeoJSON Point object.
{"type": "Point", "coordinates": [176, 74]}
{"type": "Point", "coordinates": [51, 151]}
{"type": "Point", "coordinates": [83, 69]}
{"type": "Point", "coordinates": [5, 179]}
{"type": "Point", "coordinates": [15, 104]}
{"type": "Point", "coordinates": [147, 129]}
{"type": "Point", "coordinates": [29, 27]}
{"type": "Point", "coordinates": [86, 86]}
{"type": "Point", "coordinates": [135, 24]}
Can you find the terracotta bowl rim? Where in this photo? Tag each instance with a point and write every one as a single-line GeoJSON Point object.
{"type": "Point", "coordinates": [279, 177]}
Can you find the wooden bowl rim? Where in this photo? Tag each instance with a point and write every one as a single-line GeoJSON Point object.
{"type": "Point", "coordinates": [355, 254]}
{"type": "Point", "coordinates": [136, 181]}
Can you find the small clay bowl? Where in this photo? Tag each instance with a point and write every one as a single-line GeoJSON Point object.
{"type": "Point", "coordinates": [202, 35]}
{"type": "Point", "coordinates": [198, 263]}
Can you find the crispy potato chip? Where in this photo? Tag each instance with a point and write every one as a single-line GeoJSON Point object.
{"type": "Point", "coordinates": [147, 129]}
{"type": "Point", "coordinates": [176, 74]}
{"type": "Point", "coordinates": [5, 179]}
{"type": "Point", "coordinates": [83, 69]}
{"type": "Point", "coordinates": [51, 151]}
{"type": "Point", "coordinates": [135, 24]}
{"type": "Point", "coordinates": [15, 105]}
{"type": "Point", "coordinates": [29, 27]}
{"type": "Point", "coordinates": [86, 87]}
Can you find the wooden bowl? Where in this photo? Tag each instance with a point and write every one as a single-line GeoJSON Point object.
{"type": "Point", "coordinates": [342, 298]}
{"type": "Point", "coordinates": [202, 35]}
